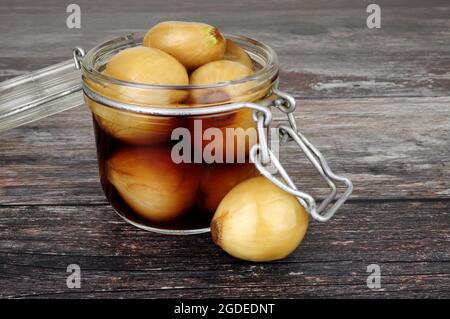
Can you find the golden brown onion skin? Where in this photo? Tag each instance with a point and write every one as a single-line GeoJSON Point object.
{"type": "Point", "coordinates": [151, 183]}
{"type": "Point", "coordinates": [140, 65]}
{"type": "Point", "coordinates": [147, 66]}
{"type": "Point", "coordinates": [235, 53]}
{"type": "Point", "coordinates": [237, 129]}
{"type": "Point", "coordinates": [216, 72]}
{"type": "Point", "coordinates": [218, 179]}
{"type": "Point", "coordinates": [219, 71]}
{"type": "Point", "coordinates": [257, 221]}
{"type": "Point", "coordinates": [135, 129]}
{"type": "Point", "coordinates": [191, 43]}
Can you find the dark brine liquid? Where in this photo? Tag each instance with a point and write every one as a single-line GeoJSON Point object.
{"type": "Point", "coordinates": [145, 186]}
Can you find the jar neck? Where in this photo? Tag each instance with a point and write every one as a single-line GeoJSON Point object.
{"type": "Point", "coordinates": [250, 89]}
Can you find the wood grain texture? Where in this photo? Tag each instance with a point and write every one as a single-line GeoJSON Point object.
{"type": "Point", "coordinates": [409, 240]}
{"type": "Point", "coordinates": [375, 102]}
{"type": "Point", "coordinates": [325, 49]}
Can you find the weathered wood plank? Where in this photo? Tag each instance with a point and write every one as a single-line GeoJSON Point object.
{"type": "Point", "coordinates": [409, 240]}
{"type": "Point", "coordinates": [390, 148]}
{"type": "Point", "coordinates": [325, 48]}
{"type": "Point", "coordinates": [53, 213]}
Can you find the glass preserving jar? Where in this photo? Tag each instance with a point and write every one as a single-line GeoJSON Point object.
{"type": "Point", "coordinates": [134, 147]}
{"type": "Point", "coordinates": [160, 166]}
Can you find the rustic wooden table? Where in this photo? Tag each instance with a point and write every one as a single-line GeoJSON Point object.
{"type": "Point", "coordinates": [375, 101]}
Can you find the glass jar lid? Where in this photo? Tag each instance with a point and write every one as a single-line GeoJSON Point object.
{"type": "Point", "coordinates": [39, 94]}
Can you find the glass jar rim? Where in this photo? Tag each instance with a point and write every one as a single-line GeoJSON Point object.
{"type": "Point", "coordinates": [90, 68]}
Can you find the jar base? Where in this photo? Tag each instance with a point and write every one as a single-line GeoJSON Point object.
{"type": "Point", "coordinates": [178, 232]}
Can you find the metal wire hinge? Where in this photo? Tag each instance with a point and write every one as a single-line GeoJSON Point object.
{"type": "Point", "coordinates": [78, 53]}
{"type": "Point", "coordinates": [263, 157]}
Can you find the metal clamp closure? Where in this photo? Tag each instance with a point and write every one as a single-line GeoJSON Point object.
{"type": "Point", "coordinates": [262, 156]}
